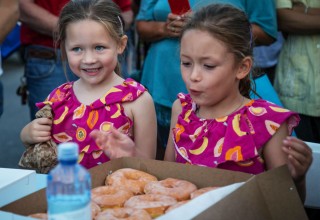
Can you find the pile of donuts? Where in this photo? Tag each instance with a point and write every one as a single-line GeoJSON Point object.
{"type": "Point", "coordinates": [133, 194]}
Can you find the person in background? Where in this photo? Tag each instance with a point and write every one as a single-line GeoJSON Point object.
{"type": "Point", "coordinates": [9, 10]}
{"type": "Point", "coordinates": [126, 12]}
{"type": "Point", "coordinates": [161, 29]}
{"type": "Point", "coordinates": [43, 66]}
{"type": "Point", "coordinates": [266, 58]}
{"type": "Point", "coordinates": [217, 124]}
{"type": "Point", "coordinates": [91, 37]}
{"type": "Point", "coordinates": [297, 77]}
{"type": "Point", "coordinates": [127, 59]}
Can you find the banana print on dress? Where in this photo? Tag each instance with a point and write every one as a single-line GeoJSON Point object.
{"type": "Point", "coordinates": [75, 121]}
{"type": "Point", "coordinates": [231, 142]}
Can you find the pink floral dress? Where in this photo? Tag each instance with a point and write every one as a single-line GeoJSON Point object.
{"type": "Point", "coordinates": [233, 142]}
{"type": "Point", "coordinates": [74, 121]}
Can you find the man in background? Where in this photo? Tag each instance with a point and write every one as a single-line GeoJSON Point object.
{"type": "Point", "coordinates": [9, 11]}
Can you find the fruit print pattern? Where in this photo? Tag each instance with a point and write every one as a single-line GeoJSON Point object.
{"type": "Point", "coordinates": [74, 121]}
{"type": "Point", "coordinates": [232, 142]}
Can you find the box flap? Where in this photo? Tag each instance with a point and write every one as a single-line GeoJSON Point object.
{"type": "Point", "coordinates": [197, 205]}
{"type": "Point", "coordinates": [15, 183]}
{"type": "Point", "coordinates": [270, 195]}
{"type": "Point", "coordinates": [11, 176]}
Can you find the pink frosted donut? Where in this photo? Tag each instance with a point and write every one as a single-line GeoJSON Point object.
{"type": "Point", "coordinates": [95, 209]}
{"type": "Point", "coordinates": [178, 189]}
{"type": "Point", "coordinates": [154, 204]}
{"type": "Point", "coordinates": [176, 205]}
{"type": "Point", "coordinates": [130, 179]}
{"type": "Point", "coordinates": [124, 214]}
{"type": "Point", "coordinates": [202, 190]}
{"type": "Point", "coordinates": [110, 196]}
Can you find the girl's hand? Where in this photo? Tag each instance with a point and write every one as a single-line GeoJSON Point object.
{"type": "Point", "coordinates": [37, 131]}
{"type": "Point", "coordinates": [174, 24]}
{"type": "Point", "coordinates": [299, 157]}
{"type": "Point", "coordinates": [114, 143]}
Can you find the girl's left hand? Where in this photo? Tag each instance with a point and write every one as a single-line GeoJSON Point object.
{"type": "Point", "coordinates": [114, 143]}
{"type": "Point", "coordinates": [299, 157]}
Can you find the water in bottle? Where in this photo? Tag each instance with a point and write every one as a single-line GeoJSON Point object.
{"type": "Point", "coordinates": [69, 187]}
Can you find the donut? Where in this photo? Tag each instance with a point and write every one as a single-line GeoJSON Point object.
{"type": "Point", "coordinates": [43, 216]}
{"type": "Point", "coordinates": [110, 196]}
{"type": "Point", "coordinates": [130, 179]}
{"type": "Point", "coordinates": [154, 204]}
{"type": "Point", "coordinates": [178, 204]}
{"type": "Point", "coordinates": [124, 213]}
{"type": "Point", "coordinates": [202, 190]}
{"type": "Point", "coordinates": [179, 189]}
{"type": "Point", "coordinates": [95, 209]}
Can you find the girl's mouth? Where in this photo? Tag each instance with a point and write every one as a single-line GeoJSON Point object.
{"type": "Point", "coordinates": [91, 71]}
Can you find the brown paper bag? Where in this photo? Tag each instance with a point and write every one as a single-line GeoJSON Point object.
{"type": "Point", "coordinates": [41, 157]}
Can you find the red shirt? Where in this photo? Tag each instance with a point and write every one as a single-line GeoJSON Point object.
{"type": "Point", "coordinates": [29, 36]}
{"type": "Point", "coordinates": [125, 5]}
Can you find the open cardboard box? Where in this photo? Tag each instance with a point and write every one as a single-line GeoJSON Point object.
{"type": "Point", "coordinates": [271, 195]}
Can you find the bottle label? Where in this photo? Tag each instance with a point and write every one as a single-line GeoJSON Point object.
{"type": "Point", "coordinates": [79, 214]}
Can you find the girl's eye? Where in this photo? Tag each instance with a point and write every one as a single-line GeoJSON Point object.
{"type": "Point", "coordinates": [76, 49]}
{"type": "Point", "coordinates": [207, 66]}
{"type": "Point", "coordinates": [99, 48]}
{"type": "Point", "coordinates": [186, 64]}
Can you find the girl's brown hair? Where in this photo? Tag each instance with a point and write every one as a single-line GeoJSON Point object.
{"type": "Point", "coordinates": [105, 12]}
{"type": "Point", "coordinates": [231, 26]}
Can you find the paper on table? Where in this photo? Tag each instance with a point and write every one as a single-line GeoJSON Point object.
{"type": "Point", "coordinates": [200, 203]}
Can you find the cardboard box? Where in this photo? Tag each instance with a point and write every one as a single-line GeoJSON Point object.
{"type": "Point", "coordinates": [271, 195]}
{"type": "Point", "coordinates": [15, 183]}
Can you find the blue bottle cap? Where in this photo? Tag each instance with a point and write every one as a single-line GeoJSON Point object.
{"type": "Point", "coordinates": [68, 151]}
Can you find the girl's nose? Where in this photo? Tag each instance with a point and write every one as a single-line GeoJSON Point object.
{"type": "Point", "coordinates": [195, 74]}
{"type": "Point", "coordinates": [89, 57]}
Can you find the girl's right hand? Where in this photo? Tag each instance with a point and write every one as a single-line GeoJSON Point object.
{"type": "Point", "coordinates": [37, 131]}
{"type": "Point", "coordinates": [114, 143]}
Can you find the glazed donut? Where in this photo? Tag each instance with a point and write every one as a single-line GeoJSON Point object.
{"type": "Point", "coordinates": [130, 179]}
{"type": "Point", "coordinates": [202, 190]}
{"type": "Point", "coordinates": [124, 213]}
{"type": "Point", "coordinates": [43, 216]}
{"type": "Point", "coordinates": [154, 204]}
{"type": "Point", "coordinates": [110, 196]}
{"type": "Point", "coordinates": [95, 209]}
{"type": "Point", "coordinates": [178, 204]}
{"type": "Point", "coordinates": [179, 189]}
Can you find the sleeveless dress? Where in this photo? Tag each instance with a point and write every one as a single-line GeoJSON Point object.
{"type": "Point", "coordinates": [74, 121]}
{"type": "Point", "coordinates": [233, 142]}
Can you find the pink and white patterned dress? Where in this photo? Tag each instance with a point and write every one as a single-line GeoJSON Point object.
{"type": "Point", "coordinates": [74, 121]}
{"type": "Point", "coordinates": [233, 142]}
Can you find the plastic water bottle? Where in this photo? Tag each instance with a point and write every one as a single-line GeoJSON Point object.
{"type": "Point", "coordinates": [69, 187]}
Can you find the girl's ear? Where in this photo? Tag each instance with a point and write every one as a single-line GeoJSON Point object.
{"type": "Point", "coordinates": [244, 68]}
{"type": "Point", "coordinates": [123, 43]}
